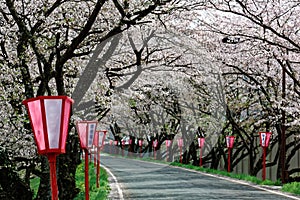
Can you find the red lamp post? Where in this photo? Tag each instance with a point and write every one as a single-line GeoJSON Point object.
{"type": "Point", "coordinates": [140, 145]}
{"type": "Point", "coordinates": [49, 118]}
{"type": "Point", "coordinates": [180, 144]}
{"type": "Point", "coordinates": [229, 143]}
{"type": "Point", "coordinates": [264, 143]}
{"type": "Point", "coordinates": [99, 143]}
{"type": "Point", "coordinates": [86, 131]}
{"type": "Point", "coordinates": [154, 147]}
{"type": "Point", "coordinates": [201, 145]}
{"type": "Point", "coordinates": [168, 144]}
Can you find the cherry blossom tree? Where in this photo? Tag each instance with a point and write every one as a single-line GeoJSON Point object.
{"type": "Point", "coordinates": [44, 47]}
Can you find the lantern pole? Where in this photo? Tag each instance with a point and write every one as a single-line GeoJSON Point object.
{"type": "Point", "coordinates": [180, 144]}
{"type": "Point", "coordinates": [52, 164]}
{"type": "Point", "coordinates": [200, 162]}
{"type": "Point", "coordinates": [98, 166]}
{"type": "Point", "coordinates": [140, 144]}
{"type": "Point", "coordinates": [99, 146]}
{"type": "Point", "coordinates": [228, 161]}
{"type": "Point", "coordinates": [86, 173]}
{"type": "Point", "coordinates": [264, 163]}
{"type": "Point", "coordinates": [95, 156]}
{"type": "Point", "coordinates": [154, 152]}
{"type": "Point", "coordinates": [201, 145]}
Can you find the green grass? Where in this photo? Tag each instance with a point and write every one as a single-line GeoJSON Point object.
{"type": "Point", "coordinates": [245, 177]}
{"type": "Point", "coordinates": [100, 193]}
{"type": "Point", "coordinates": [293, 187]}
{"type": "Point", "coordinates": [34, 184]}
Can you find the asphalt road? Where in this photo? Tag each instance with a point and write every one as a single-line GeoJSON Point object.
{"type": "Point", "coordinates": [144, 180]}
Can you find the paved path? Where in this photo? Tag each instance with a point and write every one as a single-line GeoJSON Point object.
{"type": "Point", "coordinates": [144, 180]}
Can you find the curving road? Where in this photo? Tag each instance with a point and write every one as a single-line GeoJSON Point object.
{"type": "Point", "coordinates": [144, 180]}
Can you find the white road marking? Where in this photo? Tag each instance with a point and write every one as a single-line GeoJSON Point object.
{"type": "Point", "coordinates": [117, 185]}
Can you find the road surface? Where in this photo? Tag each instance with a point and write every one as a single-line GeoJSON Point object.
{"type": "Point", "coordinates": [144, 180]}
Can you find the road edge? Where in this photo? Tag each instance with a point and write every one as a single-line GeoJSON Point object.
{"type": "Point", "coordinates": [115, 186]}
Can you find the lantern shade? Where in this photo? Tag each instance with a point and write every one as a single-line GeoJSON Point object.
{"type": "Point", "coordinates": [201, 142]}
{"type": "Point", "coordinates": [140, 143]}
{"type": "Point", "coordinates": [264, 138]}
{"type": "Point", "coordinates": [168, 143]}
{"type": "Point", "coordinates": [86, 131]}
{"type": "Point", "coordinates": [180, 142]}
{"type": "Point", "coordinates": [229, 141]}
{"type": "Point", "coordinates": [99, 138]}
{"type": "Point", "coordinates": [155, 143]}
{"type": "Point", "coordinates": [49, 117]}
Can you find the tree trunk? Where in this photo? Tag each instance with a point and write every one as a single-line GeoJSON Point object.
{"type": "Point", "coordinates": [11, 186]}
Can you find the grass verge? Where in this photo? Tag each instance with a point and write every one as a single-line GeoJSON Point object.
{"type": "Point", "coordinates": [293, 187]}
{"type": "Point", "coordinates": [245, 177]}
{"type": "Point", "coordinates": [100, 193]}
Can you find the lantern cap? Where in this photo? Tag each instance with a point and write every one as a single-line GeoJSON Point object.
{"type": "Point", "coordinates": [47, 97]}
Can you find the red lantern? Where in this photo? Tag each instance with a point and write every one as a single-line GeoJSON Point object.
{"type": "Point", "coordinates": [155, 143]}
{"type": "Point", "coordinates": [180, 142]}
{"type": "Point", "coordinates": [229, 144]}
{"type": "Point", "coordinates": [201, 142]}
{"type": "Point", "coordinates": [140, 143]}
{"type": "Point", "coordinates": [99, 138]}
{"type": "Point", "coordinates": [265, 138]}
{"type": "Point", "coordinates": [264, 142]}
{"type": "Point", "coordinates": [168, 143]}
{"type": "Point", "coordinates": [229, 141]}
{"type": "Point", "coordinates": [201, 145]}
{"type": "Point", "coordinates": [49, 118]}
{"type": "Point", "coordinates": [86, 131]}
